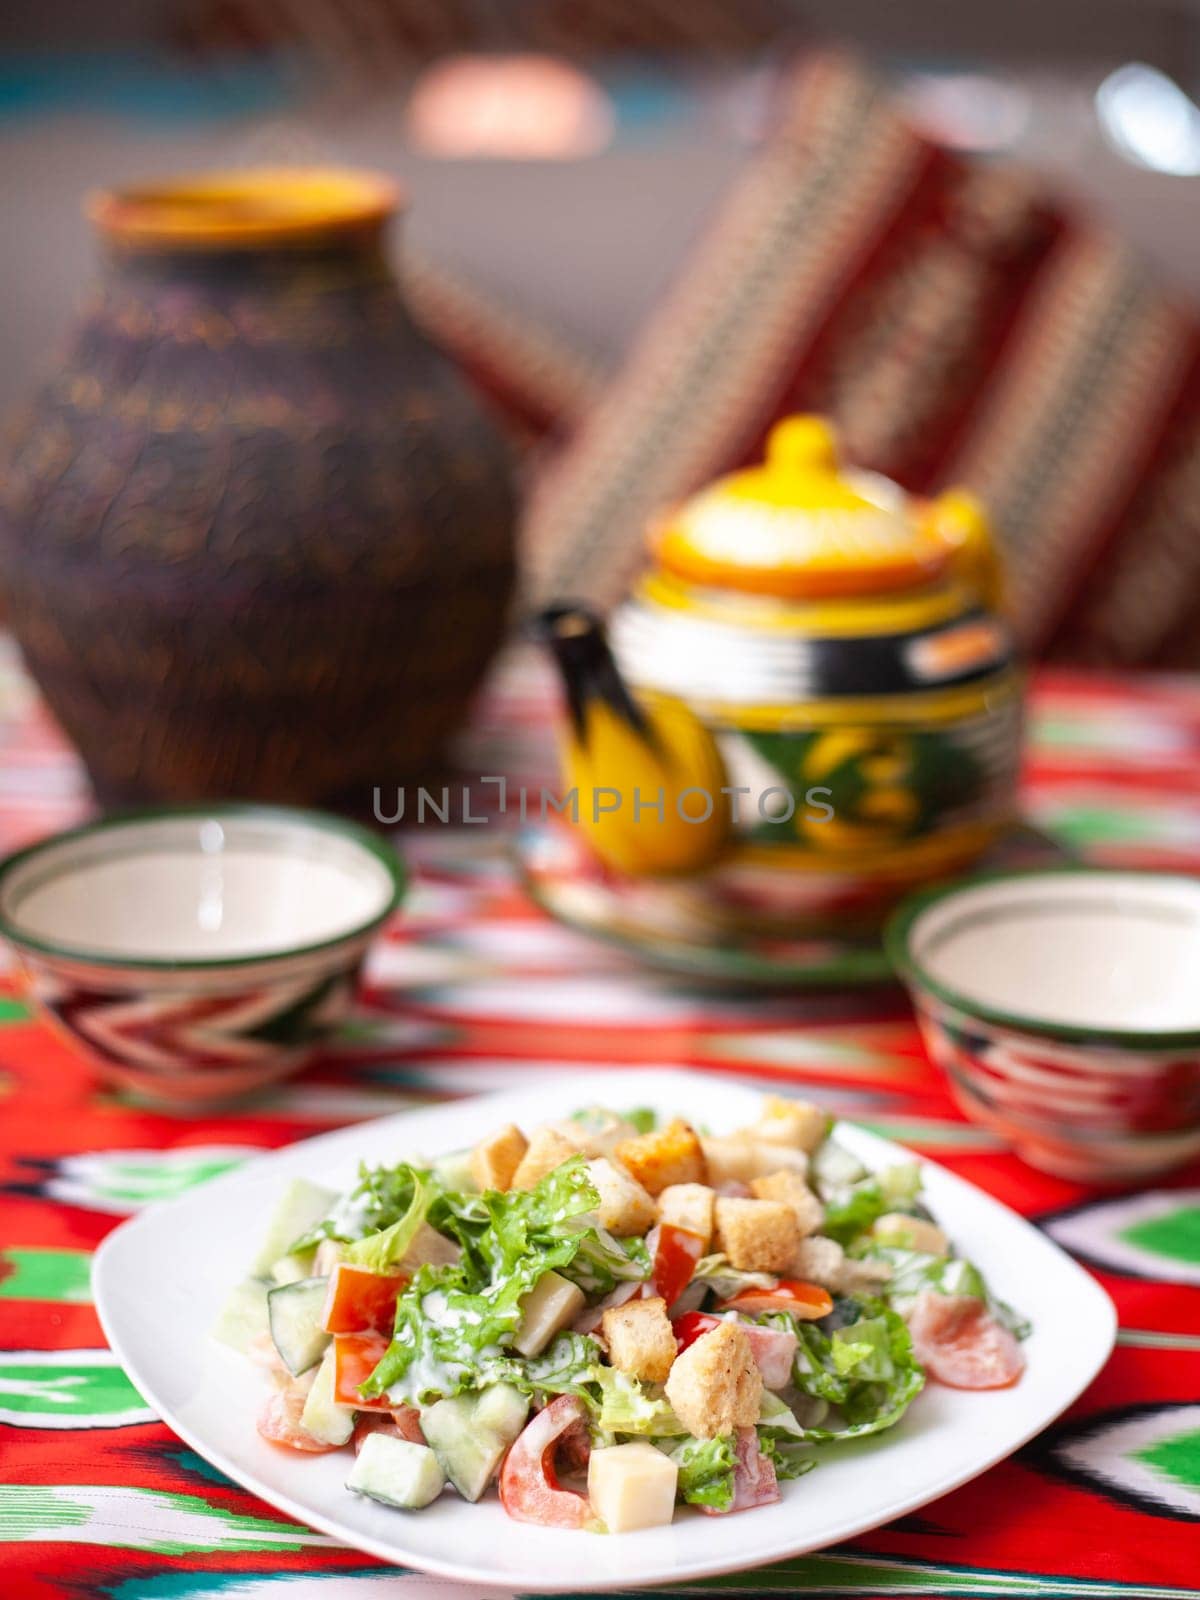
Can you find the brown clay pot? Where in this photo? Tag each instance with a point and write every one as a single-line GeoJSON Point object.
{"type": "Point", "coordinates": [256, 535]}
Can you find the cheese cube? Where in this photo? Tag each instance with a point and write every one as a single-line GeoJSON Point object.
{"type": "Point", "coordinates": [632, 1486]}
{"type": "Point", "coordinates": [548, 1307]}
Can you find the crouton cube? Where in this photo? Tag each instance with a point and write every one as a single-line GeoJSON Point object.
{"type": "Point", "coordinates": [632, 1486]}
{"type": "Point", "coordinates": [791, 1189]}
{"type": "Point", "coordinates": [640, 1339]}
{"type": "Point", "coordinates": [494, 1160]}
{"type": "Point", "coordinates": [913, 1233]}
{"type": "Point", "coordinates": [739, 1157]}
{"type": "Point", "coordinates": [818, 1260]}
{"type": "Point", "coordinates": [596, 1131]}
{"type": "Point", "coordinates": [669, 1155]}
{"type": "Point", "coordinates": [624, 1207]}
{"type": "Point", "coordinates": [690, 1206]}
{"type": "Point", "coordinates": [823, 1261]}
{"type": "Point", "coordinates": [797, 1123]}
{"type": "Point", "coordinates": [757, 1235]}
{"type": "Point", "coordinates": [715, 1386]}
{"type": "Point", "coordinates": [546, 1151]}
{"type": "Point", "coordinates": [546, 1310]}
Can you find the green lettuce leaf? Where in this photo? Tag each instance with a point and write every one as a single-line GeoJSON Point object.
{"type": "Point", "coordinates": [865, 1368]}
{"type": "Point", "coordinates": [564, 1367]}
{"type": "Point", "coordinates": [602, 1261]}
{"type": "Point", "coordinates": [379, 1251]}
{"type": "Point", "coordinates": [777, 1416]}
{"type": "Point", "coordinates": [706, 1468]}
{"type": "Point", "coordinates": [781, 1437]}
{"type": "Point", "coordinates": [380, 1198]}
{"type": "Point", "coordinates": [454, 1323]}
{"type": "Point", "coordinates": [642, 1118]}
{"type": "Point", "coordinates": [850, 1211]}
{"type": "Point", "coordinates": [623, 1404]}
{"type": "Point", "coordinates": [726, 1280]}
{"type": "Point", "coordinates": [789, 1457]}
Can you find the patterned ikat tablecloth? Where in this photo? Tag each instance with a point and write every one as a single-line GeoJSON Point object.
{"type": "Point", "coordinates": [473, 989]}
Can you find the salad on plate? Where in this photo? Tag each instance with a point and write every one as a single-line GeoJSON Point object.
{"type": "Point", "coordinates": [609, 1317]}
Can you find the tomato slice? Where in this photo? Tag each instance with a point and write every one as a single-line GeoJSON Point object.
{"type": "Point", "coordinates": [958, 1342]}
{"type": "Point", "coordinates": [279, 1423]}
{"type": "Point", "coordinates": [355, 1357]}
{"type": "Point", "coordinates": [529, 1487]}
{"type": "Point", "coordinates": [693, 1325]}
{"type": "Point", "coordinates": [807, 1301]}
{"type": "Point", "coordinates": [361, 1301]}
{"type": "Point", "coordinates": [408, 1423]}
{"type": "Point", "coordinates": [676, 1252]}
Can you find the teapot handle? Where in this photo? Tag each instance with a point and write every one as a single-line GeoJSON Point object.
{"type": "Point", "coordinates": [958, 519]}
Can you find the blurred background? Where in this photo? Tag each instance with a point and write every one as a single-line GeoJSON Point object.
{"type": "Point", "coordinates": [570, 181]}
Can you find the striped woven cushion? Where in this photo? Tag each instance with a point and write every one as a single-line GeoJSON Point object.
{"type": "Point", "coordinates": [958, 327]}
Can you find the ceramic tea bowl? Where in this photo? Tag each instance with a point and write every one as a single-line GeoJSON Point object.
{"type": "Point", "coordinates": [1064, 1007]}
{"type": "Point", "coordinates": [198, 954]}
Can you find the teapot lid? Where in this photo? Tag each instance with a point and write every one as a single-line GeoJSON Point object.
{"type": "Point", "coordinates": [801, 527]}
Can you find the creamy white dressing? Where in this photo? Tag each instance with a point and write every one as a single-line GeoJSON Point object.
{"type": "Point", "coordinates": [351, 1215]}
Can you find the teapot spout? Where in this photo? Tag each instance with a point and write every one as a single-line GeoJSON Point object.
{"type": "Point", "coordinates": [632, 765]}
{"type": "Point", "coordinates": [578, 643]}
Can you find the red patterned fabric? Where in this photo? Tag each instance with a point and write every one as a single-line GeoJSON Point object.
{"type": "Point", "coordinates": [474, 989]}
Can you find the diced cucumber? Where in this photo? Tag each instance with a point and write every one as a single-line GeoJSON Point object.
{"type": "Point", "coordinates": [470, 1434]}
{"type": "Point", "coordinates": [469, 1459]}
{"type": "Point", "coordinates": [291, 1268]}
{"type": "Point", "coordinates": [301, 1206]}
{"type": "Point", "coordinates": [502, 1410]}
{"type": "Point", "coordinates": [329, 1253]}
{"type": "Point", "coordinates": [323, 1417]}
{"type": "Point", "coordinates": [396, 1472]}
{"type": "Point", "coordinates": [454, 1171]}
{"type": "Point", "coordinates": [295, 1312]}
{"type": "Point", "coordinates": [243, 1319]}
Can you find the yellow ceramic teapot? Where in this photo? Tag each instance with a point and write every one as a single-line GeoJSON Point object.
{"type": "Point", "coordinates": [843, 647]}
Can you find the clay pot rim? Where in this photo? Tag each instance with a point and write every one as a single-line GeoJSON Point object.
{"type": "Point", "coordinates": [245, 208]}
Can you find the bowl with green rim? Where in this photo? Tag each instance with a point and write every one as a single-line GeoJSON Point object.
{"type": "Point", "coordinates": [196, 954]}
{"type": "Point", "coordinates": [1064, 1007]}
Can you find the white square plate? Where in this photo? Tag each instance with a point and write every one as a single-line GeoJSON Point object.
{"type": "Point", "coordinates": [161, 1279]}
